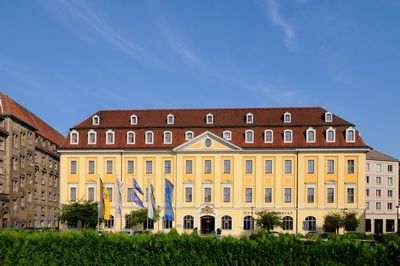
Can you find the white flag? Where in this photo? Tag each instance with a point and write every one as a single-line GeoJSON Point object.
{"type": "Point", "coordinates": [151, 203]}
{"type": "Point", "coordinates": [118, 206]}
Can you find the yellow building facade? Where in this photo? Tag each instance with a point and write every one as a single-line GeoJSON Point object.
{"type": "Point", "coordinates": [223, 174]}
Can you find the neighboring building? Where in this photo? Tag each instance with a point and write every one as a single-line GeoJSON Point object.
{"type": "Point", "coordinates": [225, 164]}
{"type": "Point", "coordinates": [381, 193]}
{"type": "Point", "coordinates": [29, 168]}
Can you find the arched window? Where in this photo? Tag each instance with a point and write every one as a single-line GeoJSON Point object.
{"type": "Point", "coordinates": [350, 135]}
{"type": "Point", "coordinates": [328, 117]}
{"type": "Point", "coordinates": [92, 137]}
{"type": "Point", "coordinates": [109, 223]}
{"type": "Point", "coordinates": [170, 119]}
{"type": "Point", "coordinates": [149, 137]}
{"type": "Point", "coordinates": [287, 223]}
{"type": "Point", "coordinates": [110, 136]}
{"type": "Point", "coordinates": [248, 223]}
{"type": "Point", "coordinates": [287, 136]}
{"type": "Point", "coordinates": [74, 137]}
{"type": "Point", "coordinates": [209, 119]}
{"type": "Point", "coordinates": [96, 120]}
{"type": "Point", "coordinates": [189, 135]}
{"type": "Point", "coordinates": [188, 222]}
{"type": "Point", "coordinates": [167, 137]}
{"type": "Point", "coordinates": [268, 136]}
{"type": "Point", "coordinates": [287, 117]}
{"type": "Point", "coordinates": [310, 135]}
{"type": "Point", "coordinates": [149, 224]}
{"type": "Point", "coordinates": [167, 224]}
{"type": "Point", "coordinates": [227, 135]}
{"type": "Point", "coordinates": [226, 222]}
{"type": "Point", "coordinates": [330, 135]}
{"type": "Point", "coordinates": [310, 223]}
{"type": "Point", "coordinates": [130, 137]}
{"type": "Point", "coordinates": [249, 118]}
{"type": "Point", "coordinates": [249, 136]}
{"type": "Point", "coordinates": [134, 119]}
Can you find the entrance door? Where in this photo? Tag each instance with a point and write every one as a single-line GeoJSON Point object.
{"type": "Point", "coordinates": [378, 226]}
{"type": "Point", "coordinates": [207, 224]}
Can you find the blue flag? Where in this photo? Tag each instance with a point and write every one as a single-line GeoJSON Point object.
{"type": "Point", "coordinates": [136, 186]}
{"type": "Point", "coordinates": [137, 200]}
{"type": "Point", "coordinates": [169, 211]}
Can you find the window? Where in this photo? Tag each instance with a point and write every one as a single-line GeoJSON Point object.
{"type": "Point", "coordinates": [288, 166]}
{"type": "Point", "coordinates": [390, 193]}
{"type": "Point", "coordinates": [378, 180]}
{"type": "Point", "coordinates": [350, 194]}
{"type": "Point", "coordinates": [167, 224]}
{"type": "Point", "coordinates": [367, 167]}
{"type": "Point", "coordinates": [390, 168]}
{"type": "Point", "coordinates": [72, 193]}
{"type": "Point", "coordinates": [109, 223]}
{"type": "Point", "coordinates": [378, 206]}
{"type": "Point", "coordinates": [249, 118]}
{"type": "Point", "coordinates": [149, 167]}
{"type": "Point", "coordinates": [287, 223]}
{"type": "Point", "coordinates": [74, 137]}
{"type": "Point", "coordinates": [131, 166]}
{"type": "Point", "coordinates": [110, 192]}
{"type": "Point", "coordinates": [189, 166]}
{"type": "Point", "coordinates": [72, 167]}
{"type": "Point", "coordinates": [389, 225]}
{"type": "Point", "coordinates": [268, 195]}
{"type": "Point", "coordinates": [90, 167]}
{"type": "Point", "coordinates": [189, 135]}
{"type": "Point", "coordinates": [328, 117]}
{"type": "Point", "coordinates": [129, 194]}
{"type": "Point", "coordinates": [249, 194]}
{"type": "Point", "coordinates": [207, 166]}
{"type": "Point", "coordinates": [367, 205]}
{"type": "Point", "coordinates": [350, 166]}
{"type": "Point", "coordinates": [249, 166]}
{"type": "Point", "coordinates": [310, 135]}
{"type": "Point", "coordinates": [287, 136]}
{"type": "Point", "coordinates": [207, 193]}
{"type": "Point", "coordinates": [367, 192]}
{"type": "Point", "coordinates": [390, 206]}
{"type": "Point", "coordinates": [149, 224]}
{"type": "Point", "coordinates": [287, 117]}
{"type": "Point", "coordinates": [390, 181]}
{"type": "Point", "coordinates": [130, 137]}
{"type": "Point", "coordinates": [330, 135]}
{"type": "Point", "coordinates": [378, 193]}
{"type": "Point", "coordinates": [149, 137]}
{"type": "Point", "coordinates": [188, 222]}
{"type": "Point", "coordinates": [96, 120]}
{"type": "Point", "coordinates": [167, 166]}
{"type": "Point", "coordinates": [350, 135]}
{"type": "Point", "coordinates": [378, 168]}
{"type": "Point", "coordinates": [268, 136]}
{"type": "Point", "coordinates": [110, 137]}
{"type": "Point", "coordinates": [92, 136]}
{"type": "Point", "coordinates": [188, 193]}
{"type": "Point", "coordinates": [330, 194]}
{"type": "Point", "coordinates": [310, 193]}
{"type": "Point", "coordinates": [227, 135]}
{"type": "Point", "coordinates": [248, 223]}
{"type": "Point", "coordinates": [1, 144]}
{"type": "Point", "coordinates": [287, 195]}
{"type": "Point", "coordinates": [310, 166]}
{"type": "Point", "coordinates": [91, 194]}
{"type": "Point", "coordinates": [209, 119]}
{"type": "Point", "coordinates": [310, 224]}
{"type": "Point", "coordinates": [170, 119]}
{"type": "Point", "coordinates": [134, 120]}
{"type": "Point", "coordinates": [109, 167]}
{"type": "Point", "coordinates": [227, 193]}
{"type": "Point", "coordinates": [167, 137]}
{"type": "Point", "coordinates": [330, 166]}
{"type": "Point", "coordinates": [268, 166]}
{"type": "Point", "coordinates": [367, 179]}
{"type": "Point", "coordinates": [226, 222]}
{"type": "Point", "coordinates": [249, 136]}
{"type": "Point", "coordinates": [227, 166]}
{"type": "Point", "coordinates": [367, 225]}
{"type": "Point", "coordinates": [1, 167]}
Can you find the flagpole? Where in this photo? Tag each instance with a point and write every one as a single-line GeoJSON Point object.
{"type": "Point", "coordinates": [98, 205]}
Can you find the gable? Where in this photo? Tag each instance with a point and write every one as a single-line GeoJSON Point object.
{"type": "Point", "coordinates": [207, 141]}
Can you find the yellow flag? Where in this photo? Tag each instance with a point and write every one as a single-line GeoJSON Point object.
{"type": "Point", "coordinates": [106, 201]}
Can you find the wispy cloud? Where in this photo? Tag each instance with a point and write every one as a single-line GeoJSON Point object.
{"type": "Point", "coordinates": [274, 13]}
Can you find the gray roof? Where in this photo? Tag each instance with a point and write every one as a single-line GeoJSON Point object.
{"type": "Point", "coordinates": [379, 156]}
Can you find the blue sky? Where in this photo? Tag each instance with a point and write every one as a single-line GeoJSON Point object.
{"type": "Point", "coordinates": [64, 60]}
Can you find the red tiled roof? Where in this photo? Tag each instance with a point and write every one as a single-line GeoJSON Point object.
{"type": "Point", "coordinates": [224, 119]}
{"type": "Point", "coordinates": [11, 108]}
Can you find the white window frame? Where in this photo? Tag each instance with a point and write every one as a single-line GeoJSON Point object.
{"type": "Point", "coordinates": [265, 136]}
{"type": "Point", "coordinates": [94, 191]}
{"type": "Point", "coordinates": [328, 117]}
{"type": "Point", "coordinates": [308, 167]}
{"type": "Point", "coordinates": [249, 118]}
{"type": "Point", "coordinates": [226, 185]}
{"type": "Point", "coordinates": [185, 186]}
{"type": "Point", "coordinates": [287, 117]}
{"type": "Point", "coordinates": [284, 195]}
{"type": "Point", "coordinates": [94, 167]}
{"type": "Point", "coordinates": [77, 137]}
{"type": "Point", "coordinates": [76, 167]}
{"type": "Point", "coordinates": [209, 119]}
{"type": "Point", "coordinates": [128, 166]}
{"type": "Point", "coordinates": [227, 170]}
{"type": "Point", "coordinates": [265, 194]}
{"type": "Point", "coordinates": [347, 193]}
{"type": "Point", "coordinates": [110, 131]}
{"type": "Point", "coordinates": [112, 167]}
{"type": "Point", "coordinates": [76, 192]}
{"type": "Point", "coordinates": [207, 185]}
{"type": "Point", "coordinates": [165, 137]}
{"type": "Point", "coordinates": [187, 135]}
{"type": "Point", "coordinates": [245, 194]}
{"type": "Point", "coordinates": [330, 129]}
{"type": "Point", "coordinates": [331, 185]}
{"type": "Point", "coordinates": [170, 119]}
{"type": "Point", "coordinates": [354, 135]}
{"type": "Point", "coordinates": [95, 136]}
{"type": "Point", "coordinates": [313, 187]}
{"type": "Point", "coordinates": [133, 120]}
{"type": "Point", "coordinates": [107, 186]}
{"type": "Point", "coordinates": [284, 136]}
{"type": "Point", "coordinates": [146, 139]}
{"type": "Point", "coordinates": [94, 118]}
{"type": "Point", "coordinates": [127, 137]}
{"type": "Point", "coordinates": [310, 129]}
{"type": "Point", "coordinates": [227, 135]}
{"type": "Point", "coordinates": [249, 131]}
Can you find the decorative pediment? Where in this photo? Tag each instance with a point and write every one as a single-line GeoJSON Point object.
{"type": "Point", "coordinates": [207, 141]}
{"type": "Point", "coordinates": [208, 209]}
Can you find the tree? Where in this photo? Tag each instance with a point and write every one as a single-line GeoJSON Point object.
{"type": "Point", "coordinates": [268, 219]}
{"type": "Point", "coordinates": [136, 217]}
{"type": "Point", "coordinates": [82, 214]}
{"type": "Point", "coordinates": [332, 222]}
{"type": "Point", "coordinates": [350, 221]}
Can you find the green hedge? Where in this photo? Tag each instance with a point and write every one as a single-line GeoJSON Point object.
{"type": "Point", "coordinates": [91, 248]}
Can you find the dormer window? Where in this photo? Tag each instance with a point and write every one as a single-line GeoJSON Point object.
{"type": "Point", "coordinates": [310, 135]}
{"type": "Point", "coordinates": [287, 136]}
{"type": "Point", "coordinates": [330, 135]}
{"type": "Point", "coordinates": [350, 135]}
{"type": "Point", "coordinates": [92, 136]}
{"type": "Point", "coordinates": [96, 120]}
{"type": "Point", "coordinates": [249, 118]}
{"type": "Point", "coordinates": [287, 117]}
{"type": "Point", "coordinates": [167, 137]}
{"type": "Point", "coordinates": [209, 119]}
{"type": "Point", "coordinates": [110, 136]}
{"type": "Point", "coordinates": [170, 119]}
{"type": "Point", "coordinates": [134, 119]}
{"type": "Point", "coordinates": [249, 136]}
{"type": "Point", "coordinates": [189, 135]}
{"type": "Point", "coordinates": [130, 137]}
{"type": "Point", "coordinates": [149, 137]}
{"type": "Point", "coordinates": [74, 137]}
{"type": "Point", "coordinates": [227, 135]}
{"type": "Point", "coordinates": [268, 136]}
{"type": "Point", "coordinates": [328, 117]}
